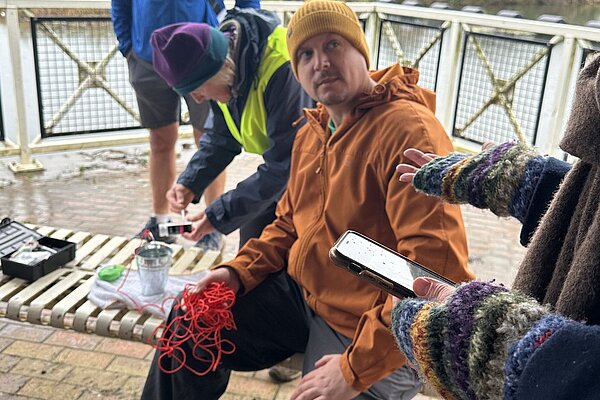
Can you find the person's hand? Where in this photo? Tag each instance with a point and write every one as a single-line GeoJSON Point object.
{"type": "Point", "coordinates": [430, 289]}
{"type": "Point", "coordinates": [325, 382]}
{"type": "Point", "coordinates": [225, 274]}
{"type": "Point", "coordinates": [201, 227]}
{"type": "Point", "coordinates": [179, 197]}
{"type": "Point", "coordinates": [407, 172]}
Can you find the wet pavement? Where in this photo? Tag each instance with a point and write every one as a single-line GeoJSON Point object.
{"type": "Point", "coordinates": [107, 191]}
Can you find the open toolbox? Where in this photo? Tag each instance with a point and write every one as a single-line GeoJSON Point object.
{"type": "Point", "coordinates": [13, 235]}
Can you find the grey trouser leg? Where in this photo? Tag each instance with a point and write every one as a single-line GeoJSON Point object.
{"type": "Point", "coordinates": [401, 385]}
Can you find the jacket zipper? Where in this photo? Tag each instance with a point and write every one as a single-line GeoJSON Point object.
{"type": "Point", "coordinates": [313, 229]}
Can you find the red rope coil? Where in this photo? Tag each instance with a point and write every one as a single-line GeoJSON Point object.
{"type": "Point", "coordinates": [206, 313]}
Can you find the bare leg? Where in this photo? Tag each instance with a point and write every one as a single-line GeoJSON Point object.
{"type": "Point", "coordinates": [162, 165]}
{"type": "Point", "coordinates": [216, 188]}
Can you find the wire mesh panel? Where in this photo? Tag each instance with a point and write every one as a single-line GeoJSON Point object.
{"type": "Point", "coordinates": [501, 88]}
{"type": "Point", "coordinates": [413, 43]}
{"type": "Point", "coordinates": [82, 79]}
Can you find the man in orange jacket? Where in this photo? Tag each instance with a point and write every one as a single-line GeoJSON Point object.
{"type": "Point", "coordinates": [291, 298]}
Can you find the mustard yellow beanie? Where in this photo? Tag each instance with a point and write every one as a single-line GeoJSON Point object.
{"type": "Point", "coordinates": [320, 16]}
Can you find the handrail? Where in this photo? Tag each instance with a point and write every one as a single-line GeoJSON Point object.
{"type": "Point", "coordinates": [567, 44]}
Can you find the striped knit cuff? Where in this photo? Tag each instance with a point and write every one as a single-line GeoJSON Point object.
{"type": "Point", "coordinates": [521, 351]}
{"type": "Point", "coordinates": [461, 313]}
{"type": "Point", "coordinates": [501, 178]}
{"type": "Point", "coordinates": [476, 343]}
{"type": "Point", "coordinates": [402, 319]}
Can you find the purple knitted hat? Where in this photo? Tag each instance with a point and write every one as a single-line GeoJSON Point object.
{"type": "Point", "coordinates": [188, 54]}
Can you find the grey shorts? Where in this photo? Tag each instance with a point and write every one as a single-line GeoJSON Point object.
{"type": "Point", "coordinates": [158, 104]}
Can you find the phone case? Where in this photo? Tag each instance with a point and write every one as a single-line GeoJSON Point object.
{"type": "Point", "coordinates": [373, 277]}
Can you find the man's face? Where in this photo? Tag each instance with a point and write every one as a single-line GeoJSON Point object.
{"type": "Point", "coordinates": [331, 70]}
{"type": "Point", "coordinates": [212, 89]}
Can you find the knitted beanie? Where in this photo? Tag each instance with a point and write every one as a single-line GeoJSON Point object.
{"type": "Point", "coordinates": [324, 16]}
{"type": "Point", "coordinates": [188, 54]}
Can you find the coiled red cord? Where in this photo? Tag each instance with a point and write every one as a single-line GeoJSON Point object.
{"type": "Point", "coordinates": [206, 313]}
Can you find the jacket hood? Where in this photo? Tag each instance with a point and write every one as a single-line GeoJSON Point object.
{"type": "Point", "coordinates": [254, 26]}
{"type": "Point", "coordinates": [393, 83]}
{"type": "Point", "coordinates": [581, 133]}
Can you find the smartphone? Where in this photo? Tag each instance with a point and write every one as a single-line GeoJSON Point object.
{"type": "Point", "coordinates": [379, 265]}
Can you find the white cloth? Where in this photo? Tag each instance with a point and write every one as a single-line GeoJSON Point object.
{"type": "Point", "coordinates": [113, 295]}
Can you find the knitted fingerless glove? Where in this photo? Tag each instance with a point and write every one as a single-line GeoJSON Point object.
{"type": "Point", "coordinates": [476, 343]}
{"type": "Point", "coordinates": [501, 178]}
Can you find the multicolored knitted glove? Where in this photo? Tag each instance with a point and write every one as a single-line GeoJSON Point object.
{"type": "Point", "coordinates": [501, 178]}
{"type": "Point", "coordinates": [477, 342]}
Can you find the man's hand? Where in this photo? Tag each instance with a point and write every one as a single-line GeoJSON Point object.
{"type": "Point", "coordinates": [430, 289]}
{"type": "Point", "coordinates": [179, 197]}
{"type": "Point", "coordinates": [225, 274]}
{"type": "Point", "coordinates": [201, 227]}
{"type": "Point", "coordinates": [325, 382]}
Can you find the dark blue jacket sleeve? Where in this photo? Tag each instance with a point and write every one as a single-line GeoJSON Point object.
{"type": "Point", "coordinates": [565, 367]}
{"type": "Point", "coordinates": [247, 4]}
{"type": "Point", "coordinates": [120, 12]}
{"type": "Point", "coordinates": [217, 149]}
{"type": "Point", "coordinates": [284, 100]}
{"type": "Point", "coordinates": [552, 175]}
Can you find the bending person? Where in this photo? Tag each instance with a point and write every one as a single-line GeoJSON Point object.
{"type": "Point", "coordinates": [243, 69]}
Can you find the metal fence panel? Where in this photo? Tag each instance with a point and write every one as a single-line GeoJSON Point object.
{"type": "Point", "coordinates": [502, 84]}
{"type": "Point", "coordinates": [82, 79]}
{"type": "Point", "coordinates": [414, 43]}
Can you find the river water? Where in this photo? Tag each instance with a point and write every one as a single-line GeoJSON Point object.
{"type": "Point", "coordinates": [574, 14]}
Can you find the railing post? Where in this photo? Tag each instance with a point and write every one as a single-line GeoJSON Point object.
{"type": "Point", "coordinates": [372, 34]}
{"type": "Point", "coordinates": [447, 89]}
{"type": "Point", "coordinates": [557, 94]}
{"type": "Point", "coordinates": [26, 162]}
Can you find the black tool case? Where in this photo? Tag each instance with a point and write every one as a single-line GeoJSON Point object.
{"type": "Point", "coordinates": [14, 234]}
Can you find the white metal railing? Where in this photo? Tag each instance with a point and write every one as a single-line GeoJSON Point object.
{"type": "Point", "coordinates": [447, 38]}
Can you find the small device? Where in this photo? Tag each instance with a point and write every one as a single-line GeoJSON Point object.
{"type": "Point", "coordinates": [380, 265]}
{"type": "Point", "coordinates": [174, 228]}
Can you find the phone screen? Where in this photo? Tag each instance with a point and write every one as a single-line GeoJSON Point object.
{"type": "Point", "coordinates": [382, 260]}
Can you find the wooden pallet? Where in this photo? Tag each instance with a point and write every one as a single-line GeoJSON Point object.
{"type": "Point", "coordinates": [60, 299]}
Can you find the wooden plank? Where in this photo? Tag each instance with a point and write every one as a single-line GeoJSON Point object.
{"type": "Point", "coordinates": [210, 259]}
{"type": "Point", "coordinates": [82, 314]}
{"type": "Point", "coordinates": [149, 328]}
{"type": "Point", "coordinates": [11, 286]}
{"type": "Point", "coordinates": [124, 255]}
{"type": "Point", "coordinates": [45, 230]}
{"type": "Point", "coordinates": [61, 234]}
{"type": "Point", "coordinates": [79, 238]}
{"type": "Point", "coordinates": [51, 294]}
{"type": "Point", "coordinates": [105, 251]}
{"type": "Point", "coordinates": [91, 245]}
{"type": "Point", "coordinates": [105, 320]}
{"type": "Point", "coordinates": [128, 323]}
{"type": "Point", "coordinates": [177, 250]}
{"type": "Point", "coordinates": [188, 258]}
{"type": "Point", "coordinates": [65, 305]}
{"type": "Point", "coordinates": [35, 288]}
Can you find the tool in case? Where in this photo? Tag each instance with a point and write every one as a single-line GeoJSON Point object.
{"type": "Point", "coordinates": [34, 255]}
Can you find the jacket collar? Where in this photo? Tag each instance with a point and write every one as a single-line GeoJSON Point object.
{"type": "Point", "coordinates": [393, 83]}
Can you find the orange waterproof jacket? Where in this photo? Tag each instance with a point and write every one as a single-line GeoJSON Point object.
{"type": "Point", "coordinates": [347, 180]}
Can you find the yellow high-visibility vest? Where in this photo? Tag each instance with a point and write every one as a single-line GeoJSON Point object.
{"type": "Point", "coordinates": [252, 134]}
